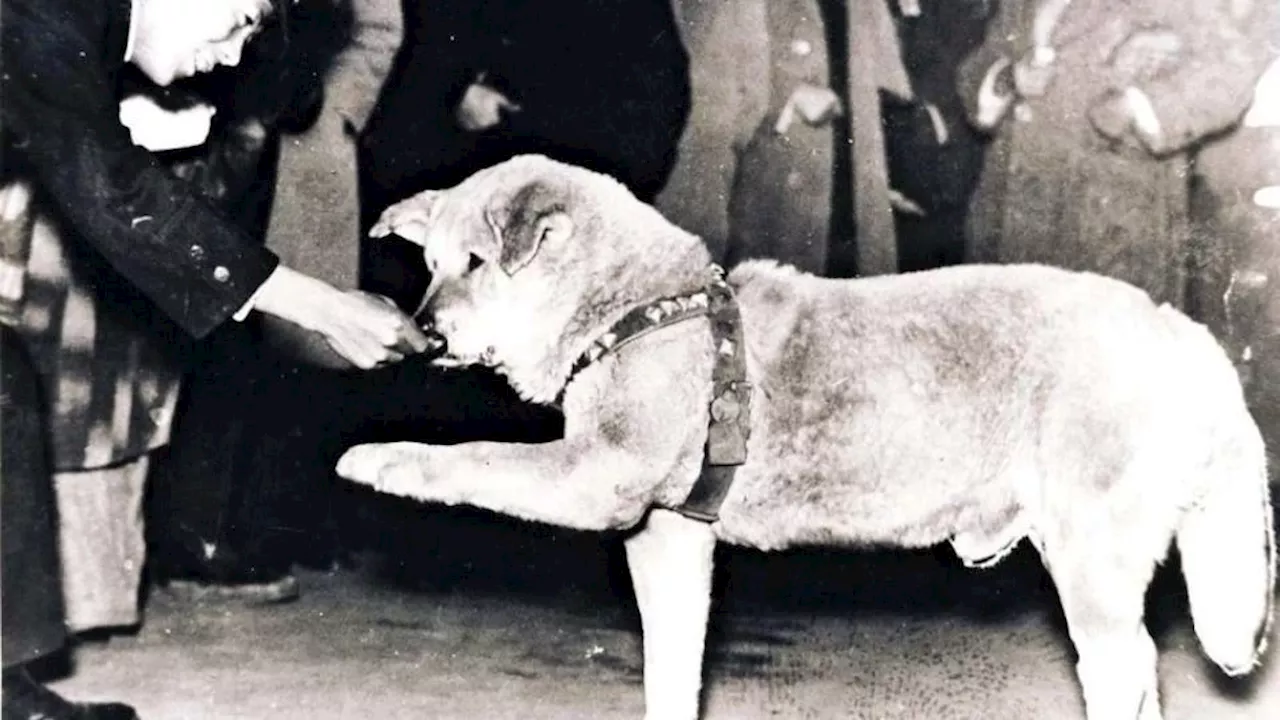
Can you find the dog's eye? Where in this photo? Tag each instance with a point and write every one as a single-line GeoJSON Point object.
{"type": "Point", "coordinates": [474, 262]}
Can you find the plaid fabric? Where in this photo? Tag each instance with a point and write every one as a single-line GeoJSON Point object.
{"type": "Point", "coordinates": [110, 391]}
{"type": "Point", "coordinates": [15, 246]}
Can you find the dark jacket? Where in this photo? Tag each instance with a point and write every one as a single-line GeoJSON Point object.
{"type": "Point", "coordinates": [602, 84]}
{"type": "Point", "coordinates": [59, 118]}
{"type": "Point", "coordinates": [1115, 206]}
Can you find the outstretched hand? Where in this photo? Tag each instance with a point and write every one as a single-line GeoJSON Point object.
{"type": "Point", "coordinates": [367, 330]}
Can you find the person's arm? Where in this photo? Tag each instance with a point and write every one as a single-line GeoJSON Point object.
{"type": "Point", "coordinates": [1210, 84]}
{"type": "Point", "coordinates": [60, 115]}
{"type": "Point", "coordinates": [624, 109]}
{"type": "Point", "coordinates": [412, 128]}
{"type": "Point", "coordinates": [984, 80]}
{"type": "Point", "coordinates": [360, 69]}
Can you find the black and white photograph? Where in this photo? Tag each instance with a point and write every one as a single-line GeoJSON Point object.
{"type": "Point", "coordinates": [623, 359]}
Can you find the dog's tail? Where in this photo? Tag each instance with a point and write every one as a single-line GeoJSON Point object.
{"type": "Point", "coordinates": [1227, 541]}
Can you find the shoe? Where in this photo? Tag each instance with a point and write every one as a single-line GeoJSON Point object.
{"type": "Point", "coordinates": [213, 573]}
{"type": "Point", "coordinates": [26, 699]}
{"type": "Point", "coordinates": [267, 591]}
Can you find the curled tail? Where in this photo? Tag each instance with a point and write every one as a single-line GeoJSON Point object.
{"type": "Point", "coordinates": [1228, 549]}
{"type": "Point", "coordinates": [1227, 537]}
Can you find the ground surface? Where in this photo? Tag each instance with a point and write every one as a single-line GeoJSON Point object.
{"type": "Point", "coordinates": [500, 620]}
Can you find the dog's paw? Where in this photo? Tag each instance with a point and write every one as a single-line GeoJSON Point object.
{"type": "Point", "coordinates": [395, 468]}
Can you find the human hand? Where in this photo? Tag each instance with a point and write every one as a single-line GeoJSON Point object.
{"type": "Point", "coordinates": [1267, 197]}
{"type": "Point", "coordinates": [815, 105]}
{"type": "Point", "coordinates": [367, 330]}
{"type": "Point", "coordinates": [15, 229]}
{"type": "Point", "coordinates": [1130, 117]}
{"type": "Point", "coordinates": [1032, 75]}
{"type": "Point", "coordinates": [1110, 117]}
{"type": "Point", "coordinates": [993, 101]}
{"type": "Point", "coordinates": [377, 318]}
{"type": "Point", "coordinates": [905, 205]}
{"type": "Point", "coordinates": [482, 107]}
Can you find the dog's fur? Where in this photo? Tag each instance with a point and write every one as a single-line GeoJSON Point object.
{"type": "Point", "coordinates": [977, 405]}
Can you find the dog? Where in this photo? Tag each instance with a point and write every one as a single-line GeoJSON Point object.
{"type": "Point", "coordinates": [975, 405]}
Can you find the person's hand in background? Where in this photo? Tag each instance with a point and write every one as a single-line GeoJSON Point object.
{"type": "Point", "coordinates": [813, 104]}
{"type": "Point", "coordinates": [482, 107]}
{"type": "Point", "coordinates": [995, 96]}
{"type": "Point", "coordinates": [1033, 74]}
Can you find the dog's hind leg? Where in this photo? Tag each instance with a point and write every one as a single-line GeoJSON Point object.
{"type": "Point", "coordinates": [1101, 577]}
{"type": "Point", "coordinates": [671, 557]}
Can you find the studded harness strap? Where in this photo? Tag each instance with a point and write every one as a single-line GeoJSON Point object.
{"type": "Point", "coordinates": [730, 410]}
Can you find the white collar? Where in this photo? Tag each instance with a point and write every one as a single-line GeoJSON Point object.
{"type": "Point", "coordinates": [133, 29]}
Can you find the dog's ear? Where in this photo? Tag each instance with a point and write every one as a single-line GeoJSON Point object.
{"type": "Point", "coordinates": [407, 218]}
{"type": "Point", "coordinates": [522, 221]}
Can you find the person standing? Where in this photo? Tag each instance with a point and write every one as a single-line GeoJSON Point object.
{"type": "Point", "coordinates": [1092, 108]}
{"type": "Point", "coordinates": [62, 134]}
{"type": "Point", "coordinates": [598, 84]}
{"type": "Point", "coordinates": [755, 164]}
{"type": "Point", "coordinates": [1236, 215]}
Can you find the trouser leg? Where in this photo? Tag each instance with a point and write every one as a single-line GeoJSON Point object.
{"type": "Point", "coordinates": [31, 599]}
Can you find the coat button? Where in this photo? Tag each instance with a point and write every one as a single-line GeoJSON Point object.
{"type": "Point", "coordinates": [221, 274]}
{"type": "Point", "coordinates": [197, 252]}
{"type": "Point", "coordinates": [801, 48]}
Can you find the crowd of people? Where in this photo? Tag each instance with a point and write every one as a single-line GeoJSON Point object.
{"type": "Point", "coordinates": [193, 329]}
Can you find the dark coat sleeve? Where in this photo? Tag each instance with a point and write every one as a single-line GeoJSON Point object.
{"type": "Point", "coordinates": [1001, 40]}
{"type": "Point", "coordinates": [411, 134]}
{"type": "Point", "coordinates": [604, 85]}
{"type": "Point", "coordinates": [1228, 45]}
{"type": "Point", "coordinates": [601, 83]}
{"type": "Point", "coordinates": [60, 119]}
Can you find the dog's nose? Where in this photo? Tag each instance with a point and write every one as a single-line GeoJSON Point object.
{"type": "Point", "coordinates": [436, 343]}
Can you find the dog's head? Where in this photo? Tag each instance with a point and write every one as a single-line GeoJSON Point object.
{"type": "Point", "coordinates": [531, 260]}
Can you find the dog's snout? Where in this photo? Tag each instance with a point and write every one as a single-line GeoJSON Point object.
{"type": "Point", "coordinates": [432, 326]}
{"type": "Point", "coordinates": [435, 342]}
{"type": "Point", "coordinates": [422, 313]}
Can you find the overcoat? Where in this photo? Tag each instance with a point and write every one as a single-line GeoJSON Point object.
{"type": "Point", "coordinates": [114, 256]}
{"type": "Point", "coordinates": [1054, 189]}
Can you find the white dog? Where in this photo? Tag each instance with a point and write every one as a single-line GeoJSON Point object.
{"type": "Point", "coordinates": [975, 405]}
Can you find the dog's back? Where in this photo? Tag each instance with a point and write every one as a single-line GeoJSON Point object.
{"type": "Point", "coordinates": [979, 405]}
{"type": "Point", "coordinates": [988, 404]}
{"type": "Point", "coordinates": [911, 407]}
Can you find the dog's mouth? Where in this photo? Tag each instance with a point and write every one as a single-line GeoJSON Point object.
{"type": "Point", "coordinates": [439, 355]}
{"type": "Point", "coordinates": [437, 351]}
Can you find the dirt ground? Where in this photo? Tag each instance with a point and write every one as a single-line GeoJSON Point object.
{"type": "Point", "coordinates": [499, 620]}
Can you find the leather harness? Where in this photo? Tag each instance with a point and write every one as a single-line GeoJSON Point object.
{"type": "Point", "coordinates": [729, 414]}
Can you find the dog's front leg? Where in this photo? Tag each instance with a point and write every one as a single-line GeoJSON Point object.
{"type": "Point", "coordinates": [670, 558]}
{"type": "Point", "coordinates": [570, 483]}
